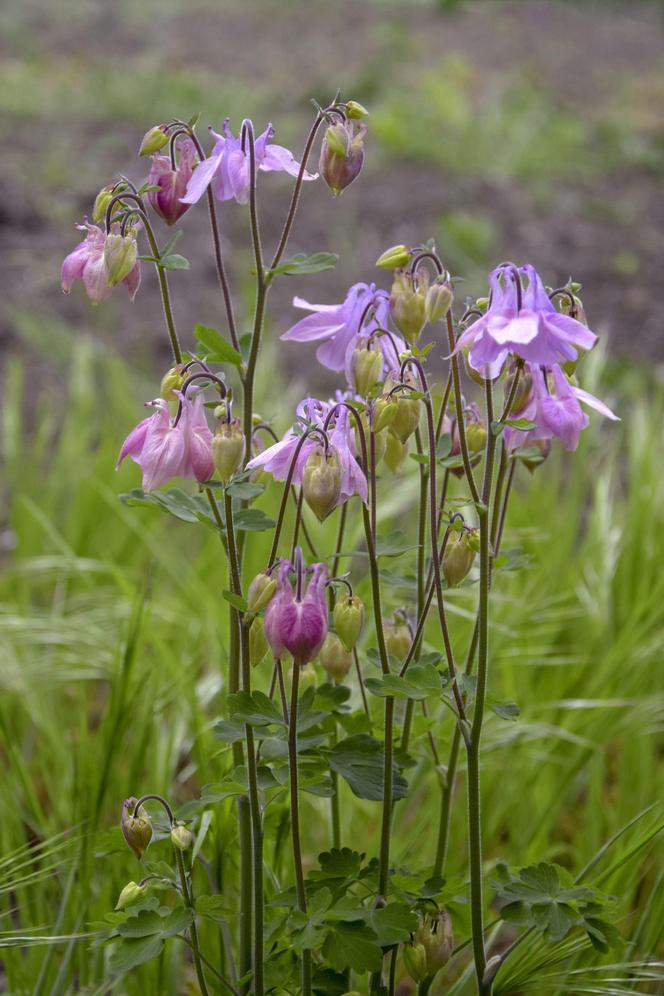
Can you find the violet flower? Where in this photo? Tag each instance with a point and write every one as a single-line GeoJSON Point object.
{"type": "Point", "coordinates": [228, 166]}
{"type": "Point", "coordinates": [86, 263]}
{"type": "Point", "coordinates": [339, 326]}
{"type": "Point", "coordinates": [297, 620]}
{"type": "Point", "coordinates": [522, 321]}
{"type": "Point", "coordinates": [172, 183]}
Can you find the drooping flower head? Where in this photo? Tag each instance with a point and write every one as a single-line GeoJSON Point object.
{"type": "Point", "coordinates": [172, 182]}
{"type": "Point", "coordinates": [365, 310]}
{"type": "Point", "coordinates": [296, 620]}
{"type": "Point", "coordinates": [87, 263]}
{"type": "Point", "coordinates": [228, 166]}
{"type": "Point", "coordinates": [521, 320]}
{"type": "Point", "coordinates": [342, 154]}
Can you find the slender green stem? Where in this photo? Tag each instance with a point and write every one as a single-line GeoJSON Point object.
{"type": "Point", "coordinates": [460, 424]}
{"type": "Point", "coordinates": [298, 520]}
{"type": "Point", "coordinates": [343, 515]}
{"type": "Point", "coordinates": [424, 986]}
{"type": "Point", "coordinates": [335, 818]}
{"type": "Point", "coordinates": [421, 557]}
{"type": "Point", "coordinates": [187, 895]}
{"type": "Point", "coordinates": [295, 199]}
{"type": "Point", "coordinates": [360, 681]}
{"type": "Point", "coordinates": [295, 821]}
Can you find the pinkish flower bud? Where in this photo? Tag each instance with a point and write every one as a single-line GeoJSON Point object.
{"type": "Point", "coordinates": [227, 447]}
{"type": "Point", "coordinates": [296, 621]}
{"type": "Point", "coordinates": [335, 659]}
{"type": "Point", "coordinates": [396, 452]}
{"type": "Point", "coordinates": [408, 303]}
{"type": "Point", "coordinates": [321, 482]}
{"type": "Point", "coordinates": [459, 555]}
{"type": "Point", "coordinates": [172, 182]}
{"type": "Point", "coordinates": [120, 255]}
{"type": "Point", "coordinates": [154, 140]}
{"type": "Point", "coordinates": [342, 155]}
{"type": "Point", "coordinates": [137, 829]}
{"type": "Point", "coordinates": [348, 619]}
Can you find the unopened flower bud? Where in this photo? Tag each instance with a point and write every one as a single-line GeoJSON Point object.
{"type": "Point", "coordinates": [260, 593]}
{"type": "Point", "coordinates": [181, 837]}
{"type": "Point", "coordinates": [459, 555]}
{"type": "Point", "coordinates": [408, 303]}
{"type": "Point", "coordinates": [524, 389]}
{"type": "Point", "coordinates": [355, 111]}
{"type": "Point", "coordinates": [476, 436]}
{"type": "Point", "coordinates": [394, 258]}
{"type": "Point", "coordinates": [335, 659]}
{"type": "Point", "coordinates": [348, 618]}
{"type": "Point", "coordinates": [407, 417]}
{"type": "Point", "coordinates": [137, 829]}
{"type": "Point", "coordinates": [474, 375]}
{"type": "Point", "coordinates": [437, 937]}
{"type": "Point", "coordinates": [120, 255]}
{"type": "Point", "coordinates": [438, 301]}
{"type": "Point", "coordinates": [258, 645]}
{"type": "Point", "coordinates": [337, 139]}
{"type": "Point", "coordinates": [227, 447]}
{"type": "Point", "coordinates": [341, 155]}
{"type": "Point", "coordinates": [415, 960]}
{"type": "Point", "coordinates": [172, 381]}
{"type": "Point", "coordinates": [385, 409]}
{"type": "Point", "coordinates": [131, 893]}
{"type": "Point", "coordinates": [154, 140]}
{"type": "Point", "coordinates": [321, 482]}
{"type": "Point", "coordinates": [367, 368]}
{"type": "Point", "coordinates": [398, 638]}
{"type": "Point", "coordinates": [102, 200]}
{"type": "Point", "coordinates": [396, 452]}
{"type": "Point", "coordinates": [532, 463]}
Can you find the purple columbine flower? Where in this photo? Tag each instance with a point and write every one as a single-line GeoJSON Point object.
{"type": "Point", "coordinates": [522, 321]}
{"type": "Point", "coordinates": [297, 620]}
{"type": "Point", "coordinates": [86, 263]}
{"type": "Point", "coordinates": [228, 166]}
{"type": "Point", "coordinates": [339, 326]}
{"type": "Point", "coordinates": [172, 183]}
{"type": "Point", "coordinates": [166, 447]}
{"type": "Point", "coordinates": [276, 460]}
{"type": "Point", "coordinates": [554, 406]}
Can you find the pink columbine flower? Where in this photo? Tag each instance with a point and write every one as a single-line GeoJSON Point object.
{"type": "Point", "coordinates": [86, 263]}
{"type": "Point", "coordinates": [339, 326]}
{"type": "Point", "coordinates": [166, 447]}
{"type": "Point", "coordinates": [297, 620]}
{"type": "Point", "coordinates": [276, 460]}
{"type": "Point", "coordinates": [228, 166]}
{"type": "Point", "coordinates": [172, 183]}
{"type": "Point", "coordinates": [554, 406]}
{"type": "Point", "coordinates": [522, 321]}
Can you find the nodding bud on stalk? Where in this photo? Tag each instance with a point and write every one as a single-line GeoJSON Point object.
{"type": "Point", "coordinates": [181, 837]}
{"type": "Point", "coordinates": [335, 659]}
{"type": "Point", "coordinates": [407, 416]}
{"type": "Point", "coordinates": [476, 436]}
{"type": "Point", "coordinates": [524, 389]}
{"type": "Point", "coordinates": [321, 482]}
{"type": "Point", "coordinates": [367, 368]}
{"type": "Point", "coordinates": [415, 960]}
{"type": "Point", "coordinates": [396, 452]}
{"type": "Point", "coordinates": [171, 382]}
{"type": "Point", "coordinates": [532, 460]}
{"type": "Point", "coordinates": [296, 620]}
{"type": "Point", "coordinates": [394, 258]}
{"type": "Point", "coordinates": [260, 593]}
{"type": "Point", "coordinates": [438, 301]}
{"type": "Point", "coordinates": [120, 255]}
{"type": "Point", "coordinates": [137, 829]}
{"type": "Point", "coordinates": [437, 937]}
{"type": "Point", "coordinates": [459, 555]}
{"type": "Point", "coordinates": [398, 637]}
{"type": "Point", "coordinates": [408, 303]}
{"type": "Point", "coordinates": [227, 447]}
{"type": "Point", "coordinates": [341, 155]}
{"type": "Point", "coordinates": [355, 111]}
{"type": "Point", "coordinates": [258, 645]}
{"type": "Point", "coordinates": [102, 201]}
{"type": "Point", "coordinates": [384, 412]}
{"type": "Point", "coordinates": [154, 140]}
{"type": "Point", "coordinates": [348, 616]}
{"type": "Point", "coordinates": [131, 893]}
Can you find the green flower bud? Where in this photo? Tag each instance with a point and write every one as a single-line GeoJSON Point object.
{"type": "Point", "coordinates": [406, 418]}
{"type": "Point", "coordinates": [523, 389]}
{"type": "Point", "coordinates": [385, 409]}
{"type": "Point", "coordinates": [334, 657]}
{"type": "Point", "coordinates": [459, 555]}
{"type": "Point", "coordinates": [415, 960]}
{"type": "Point", "coordinates": [172, 381]}
{"type": "Point", "coordinates": [260, 593]}
{"type": "Point", "coordinates": [408, 303]}
{"type": "Point", "coordinates": [321, 482]}
{"type": "Point", "coordinates": [355, 111]}
{"type": "Point", "coordinates": [367, 369]}
{"type": "Point", "coordinates": [398, 638]}
{"type": "Point", "coordinates": [394, 258]}
{"type": "Point", "coordinates": [102, 200]}
{"type": "Point", "coordinates": [348, 619]}
{"type": "Point", "coordinates": [438, 302]}
{"type": "Point", "coordinates": [396, 452]}
{"type": "Point", "coordinates": [137, 829]}
{"type": "Point", "coordinates": [475, 437]}
{"type": "Point", "coordinates": [227, 447]}
{"type": "Point", "coordinates": [437, 937]}
{"type": "Point", "coordinates": [120, 255]}
{"type": "Point", "coordinates": [131, 893]}
{"type": "Point", "coordinates": [154, 140]}
{"type": "Point", "coordinates": [531, 463]}
{"type": "Point", "coordinates": [337, 140]}
{"type": "Point", "coordinates": [258, 645]}
{"type": "Point", "coordinates": [181, 837]}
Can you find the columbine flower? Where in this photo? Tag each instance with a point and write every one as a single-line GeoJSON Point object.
{"type": "Point", "coordinates": [228, 166]}
{"type": "Point", "coordinates": [554, 406]}
{"type": "Point", "coordinates": [339, 325]}
{"type": "Point", "coordinates": [165, 448]}
{"type": "Point", "coordinates": [172, 183]}
{"type": "Point", "coordinates": [522, 321]}
{"type": "Point", "coordinates": [86, 263]}
{"type": "Point", "coordinates": [296, 621]}
{"type": "Point", "coordinates": [277, 459]}
{"type": "Point", "coordinates": [342, 155]}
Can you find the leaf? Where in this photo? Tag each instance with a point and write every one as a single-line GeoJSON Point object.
{"type": "Point", "coordinates": [201, 834]}
{"type": "Point", "coordinates": [244, 490]}
{"type": "Point", "coordinates": [393, 923]}
{"type": "Point", "coordinates": [175, 502]}
{"type": "Point", "coordinates": [147, 922]}
{"type": "Point", "coordinates": [253, 520]}
{"type": "Point", "coordinates": [359, 759]}
{"type": "Point", "coordinates": [339, 863]}
{"type": "Point", "coordinates": [235, 600]}
{"type": "Point", "coordinates": [419, 682]}
{"type": "Point", "coordinates": [170, 245]}
{"type": "Point", "coordinates": [217, 349]}
{"type": "Point", "coordinates": [129, 952]}
{"type": "Point", "coordinates": [353, 945]}
{"type": "Point", "coordinates": [173, 262]}
{"type": "Point", "coordinates": [506, 710]}
{"type": "Point", "coordinates": [300, 264]}
{"type": "Point", "coordinates": [254, 708]}
{"type": "Point", "coordinates": [393, 545]}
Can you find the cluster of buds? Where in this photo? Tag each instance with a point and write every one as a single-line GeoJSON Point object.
{"type": "Point", "coordinates": [430, 947]}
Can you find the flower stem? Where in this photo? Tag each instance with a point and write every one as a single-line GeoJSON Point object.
{"type": "Point", "coordinates": [295, 199]}
{"type": "Point", "coordinates": [188, 897]}
{"type": "Point", "coordinates": [295, 821]}
{"type": "Point", "coordinates": [460, 424]}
